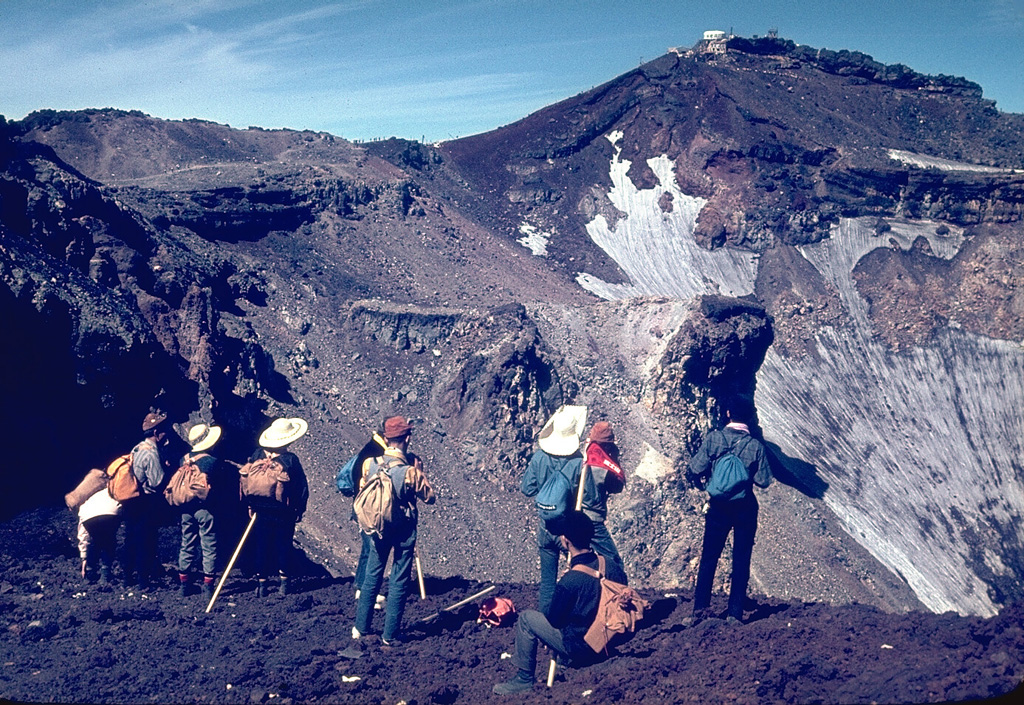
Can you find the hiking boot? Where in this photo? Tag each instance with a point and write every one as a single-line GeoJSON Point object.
{"type": "Point", "coordinates": [392, 643]}
{"type": "Point", "coordinates": [261, 588]}
{"type": "Point", "coordinates": [207, 591]}
{"type": "Point", "coordinates": [516, 685]}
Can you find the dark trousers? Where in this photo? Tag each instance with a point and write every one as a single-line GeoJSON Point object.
{"type": "Point", "coordinates": [404, 547]}
{"type": "Point", "coordinates": [141, 517]}
{"type": "Point", "coordinates": [550, 548]}
{"type": "Point", "coordinates": [533, 627]}
{"type": "Point", "coordinates": [102, 541]}
{"type": "Point", "coordinates": [272, 537]}
{"type": "Point", "coordinates": [740, 517]}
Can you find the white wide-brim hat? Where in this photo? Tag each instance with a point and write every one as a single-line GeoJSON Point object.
{"type": "Point", "coordinates": [282, 432]}
{"type": "Point", "coordinates": [561, 434]}
{"type": "Point", "coordinates": [202, 437]}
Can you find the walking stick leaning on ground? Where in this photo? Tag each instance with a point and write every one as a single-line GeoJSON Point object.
{"type": "Point", "coordinates": [419, 576]}
{"type": "Point", "coordinates": [579, 506]}
{"type": "Point", "coordinates": [231, 563]}
{"type": "Point", "coordinates": [460, 603]}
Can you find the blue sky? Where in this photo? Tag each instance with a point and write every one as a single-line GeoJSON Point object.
{"type": "Point", "coordinates": [419, 69]}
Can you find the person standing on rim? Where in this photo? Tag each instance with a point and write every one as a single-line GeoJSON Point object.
{"type": "Point", "coordinates": [731, 506]}
{"type": "Point", "coordinates": [410, 485]}
{"type": "Point", "coordinates": [142, 515]}
{"type": "Point", "coordinates": [274, 530]}
{"type": "Point", "coordinates": [558, 445]}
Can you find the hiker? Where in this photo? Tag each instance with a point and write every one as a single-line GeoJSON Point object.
{"type": "Point", "coordinates": [277, 515]}
{"type": "Point", "coordinates": [559, 443]}
{"type": "Point", "coordinates": [374, 450]}
{"type": "Point", "coordinates": [98, 520]}
{"type": "Point", "coordinates": [734, 511]}
{"type": "Point", "coordinates": [605, 477]}
{"type": "Point", "coordinates": [572, 611]}
{"type": "Point", "coordinates": [143, 515]}
{"type": "Point", "coordinates": [198, 525]}
{"type": "Point", "coordinates": [399, 536]}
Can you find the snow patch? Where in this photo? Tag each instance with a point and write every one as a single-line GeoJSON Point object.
{"type": "Point", "coordinates": [536, 241]}
{"type": "Point", "coordinates": [926, 162]}
{"type": "Point", "coordinates": [656, 249]}
{"type": "Point", "coordinates": [926, 456]}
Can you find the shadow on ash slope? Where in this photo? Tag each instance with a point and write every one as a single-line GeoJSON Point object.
{"type": "Point", "coordinates": [918, 449]}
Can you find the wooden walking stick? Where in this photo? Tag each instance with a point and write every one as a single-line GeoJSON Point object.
{"type": "Point", "coordinates": [458, 604]}
{"type": "Point", "coordinates": [583, 477]}
{"type": "Point", "coordinates": [231, 563]}
{"type": "Point", "coordinates": [419, 576]}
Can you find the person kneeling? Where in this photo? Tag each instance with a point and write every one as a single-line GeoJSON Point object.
{"type": "Point", "coordinates": [572, 611]}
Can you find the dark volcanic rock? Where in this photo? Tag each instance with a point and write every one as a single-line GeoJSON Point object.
{"type": "Point", "coordinates": [284, 648]}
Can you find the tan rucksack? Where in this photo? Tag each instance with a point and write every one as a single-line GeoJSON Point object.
{"type": "Point", "coordinates": [94, 481]}
{"type": "Point", "coordinates": [376, 506]}
{"type": "Point", "coordinates": [187, 483]}
{"type": "Point", "coordinates": [264, 478]}
{"type": "Point", "coordinates": [618, 612]}
{"type": "Point", "coordinates": [121, 481]}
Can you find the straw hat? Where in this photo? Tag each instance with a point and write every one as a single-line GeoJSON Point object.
{"type": "Point", "coordinates": [203, 437]}
{"type": "Point", "coordinates": [561, 434]}
{"type": "Point", "coordinates": [282, 432]}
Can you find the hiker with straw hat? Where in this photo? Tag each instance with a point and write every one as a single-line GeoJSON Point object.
{"type": "Point", "coordinates": [558, 446]}
{"type": "Point", "coordinates": [277, 514]}
{"type": "Point", "coordinates": [193, 489]}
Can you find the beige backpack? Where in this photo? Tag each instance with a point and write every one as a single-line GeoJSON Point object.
{"type": "Point", "coordinates": [618, 612]}
{"type": "Point", "coordinates": [377, 506]}
{"type": "Point", "coordinates": [265, 478]}
{"type": "Point", "coordinates": [187, 483]}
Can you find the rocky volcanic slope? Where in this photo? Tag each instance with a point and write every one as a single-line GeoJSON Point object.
{"type": "Point", "coordinates": [389, 296]}
{"type": "Point", "coordinates": [235, 275]}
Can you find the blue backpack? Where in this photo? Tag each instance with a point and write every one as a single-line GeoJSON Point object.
{"type": "Point", "coordinates": [729, 477]}
{"type": "Point", "coordinates": [347, 480]}
{"type": "Point", "coordinates": [556, 497]}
